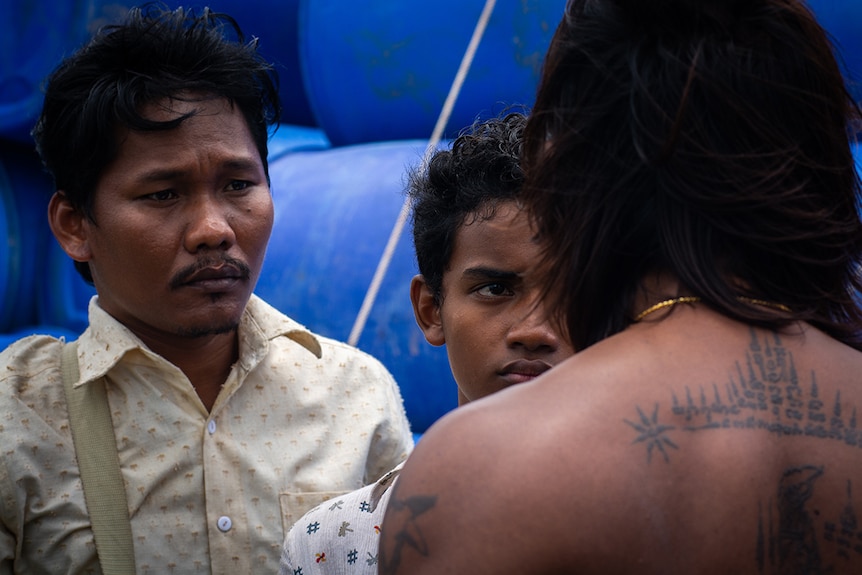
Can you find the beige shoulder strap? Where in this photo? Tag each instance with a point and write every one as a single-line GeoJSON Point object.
{"type": "Point", "coordinates": [99, 464]}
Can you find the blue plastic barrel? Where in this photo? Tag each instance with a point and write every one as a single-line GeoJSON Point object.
{"type": "Point", "coordinates": [34, 37]}
{"type": "Point", "coordinates": [843, 20]}
{"type": "Point", "coordinates": [380, 70]}
{"type": "Point", "coordinates": [275, 24]}
{"type": "Point", "coordinates": [289, 138]}
{"type": "Point", "coordinates": [24, 194]}
{"type": "Point", "coordinates": [334, 211]}
{"type": "Point", "coordinates": [36, 34]}
{"type": "Point", "coordinates": [6, 339]}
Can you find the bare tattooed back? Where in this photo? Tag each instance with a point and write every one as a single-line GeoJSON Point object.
{"type": "Point", "coordinates": [691, 445]}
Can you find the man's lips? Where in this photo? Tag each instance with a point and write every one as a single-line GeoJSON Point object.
{"type": "Point", "coordinates": [215, 273]}
{"type": "Point", "coordinates": [522, 370]}
{"type": "Point", "coordinates": [211, 276]}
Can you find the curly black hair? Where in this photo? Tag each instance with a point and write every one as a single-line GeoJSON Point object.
{"type": "Point", "coordinates": [462, 185]}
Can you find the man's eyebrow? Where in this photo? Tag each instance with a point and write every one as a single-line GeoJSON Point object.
{"type": "Point", "coordinates": [490, 273]}
{"type": "Point", "coordinates": [158, 175]}
{"type": "Point", "coordinates": [242, 164]}
{"type": "Point", "coordinates": [164, 174]}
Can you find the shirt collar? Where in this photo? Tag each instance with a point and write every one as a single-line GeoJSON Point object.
{"type": "Point", "coordinates": [107, 341]}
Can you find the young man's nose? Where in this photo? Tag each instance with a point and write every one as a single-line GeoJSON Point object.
{"type": "Point", "coordinates": [533, 330]}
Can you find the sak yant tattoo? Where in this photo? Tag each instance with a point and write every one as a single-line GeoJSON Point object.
{"type": "Point", "coordinates": [401, 516]}
{"type": "Point", "coordinates": [794, 536]}
{"type": "Point", "coordinates": [652, 433]}
{"type": "Point", "coordinates": [765, 392]}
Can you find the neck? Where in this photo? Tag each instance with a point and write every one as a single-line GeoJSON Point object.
{"type": "Point", "coordinates": [655, 288]}
{"type": "Point", "coordinates": [206, 361]}
{"type": "Point", "coordinates": [663, 292]}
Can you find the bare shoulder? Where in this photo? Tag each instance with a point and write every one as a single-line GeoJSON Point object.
{"type": "Point", "coordinates": [469, 499]}
{"type": "Point", "coordinates": [449, 476]}
{"type": "Point", "coordinates": [710, 448]}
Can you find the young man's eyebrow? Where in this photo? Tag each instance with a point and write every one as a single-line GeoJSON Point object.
{"type": "Point", "coordinates": [490, 273]}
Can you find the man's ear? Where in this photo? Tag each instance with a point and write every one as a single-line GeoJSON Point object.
{"type": "Point", "coordinates": [426, 310]}
{"type": "Point", "coordinates": [69, 227]}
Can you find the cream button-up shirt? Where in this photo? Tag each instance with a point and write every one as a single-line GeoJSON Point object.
{"type": "Point", "coordinates": [300, 419]}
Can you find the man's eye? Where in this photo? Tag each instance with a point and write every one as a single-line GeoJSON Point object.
{"type": "Point", "coordinates": [238, 185]}
{"type": "Point", "coordinates": [493, 290]}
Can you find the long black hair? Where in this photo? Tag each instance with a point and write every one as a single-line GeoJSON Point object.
{"type": "Point", "coordinates": [709, 140]}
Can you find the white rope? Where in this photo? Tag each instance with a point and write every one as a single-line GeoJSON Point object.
{"type": "Point", "coordinates": [442, 120]}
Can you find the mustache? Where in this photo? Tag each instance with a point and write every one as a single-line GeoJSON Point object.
{"type": "Point", "coordinates": [183, 275]}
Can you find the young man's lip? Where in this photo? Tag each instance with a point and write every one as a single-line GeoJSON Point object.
{"type": "Point", "coordinates": [525, 368]}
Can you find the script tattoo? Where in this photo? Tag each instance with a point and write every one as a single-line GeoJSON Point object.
{"type": "Point", "coordinates": [763, 392]}
{"type": "Point", "coordinates": [402, 515]}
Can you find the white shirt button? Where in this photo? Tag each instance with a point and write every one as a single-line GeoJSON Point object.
{"type": "Point", "coordinates": [224, 523]}
{"type": "Point", "coordinates": [211, 426]}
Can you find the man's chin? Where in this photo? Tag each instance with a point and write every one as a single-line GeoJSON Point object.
{"type": "Point", "coordinates": [209, 320]}
{"type": "Point", "coordinates": [207, 330]}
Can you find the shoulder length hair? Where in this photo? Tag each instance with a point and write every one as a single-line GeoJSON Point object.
{"type": "Point", "coordinates": [706, 140]}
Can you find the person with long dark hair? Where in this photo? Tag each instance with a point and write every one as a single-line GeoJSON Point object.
{"type": "Point", "coordinates": [688, 167]}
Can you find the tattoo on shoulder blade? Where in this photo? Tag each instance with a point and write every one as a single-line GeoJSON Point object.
{"type": "Point", "coordinates": [763, 392]}
{"type": "Point", "coordinates": [652, 433]}
{"type": "Point", "coordinates": [796, 537]}
{"type": "Point", "coordinates": [402, 514]}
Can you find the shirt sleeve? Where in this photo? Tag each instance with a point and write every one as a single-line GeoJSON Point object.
{"type": "Point", "coordinates": [393, 440]}
{"type": "Point", "coordinates": [339, 536]}
{"type": "Point", "coordinates": [7, 538]}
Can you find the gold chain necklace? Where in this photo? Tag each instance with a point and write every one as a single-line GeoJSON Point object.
{"type": "Point", "coordinates": [694, 299]}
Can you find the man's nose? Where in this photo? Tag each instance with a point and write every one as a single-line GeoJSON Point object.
{"type": "Point", "coordinates": [209, 225]}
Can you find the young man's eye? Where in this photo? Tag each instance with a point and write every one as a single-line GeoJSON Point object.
{"type": "Point", "coordinates": [492, 290]}
{"type": "Point", "coordinates": [162, 196]}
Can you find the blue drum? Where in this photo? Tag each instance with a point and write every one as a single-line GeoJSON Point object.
{"type": "Point", "coordinates": [24, 194]}
{"type": "Point", "coordinates": [381, 70]}
{"type": "Point", "coordinates": [36, 34]}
